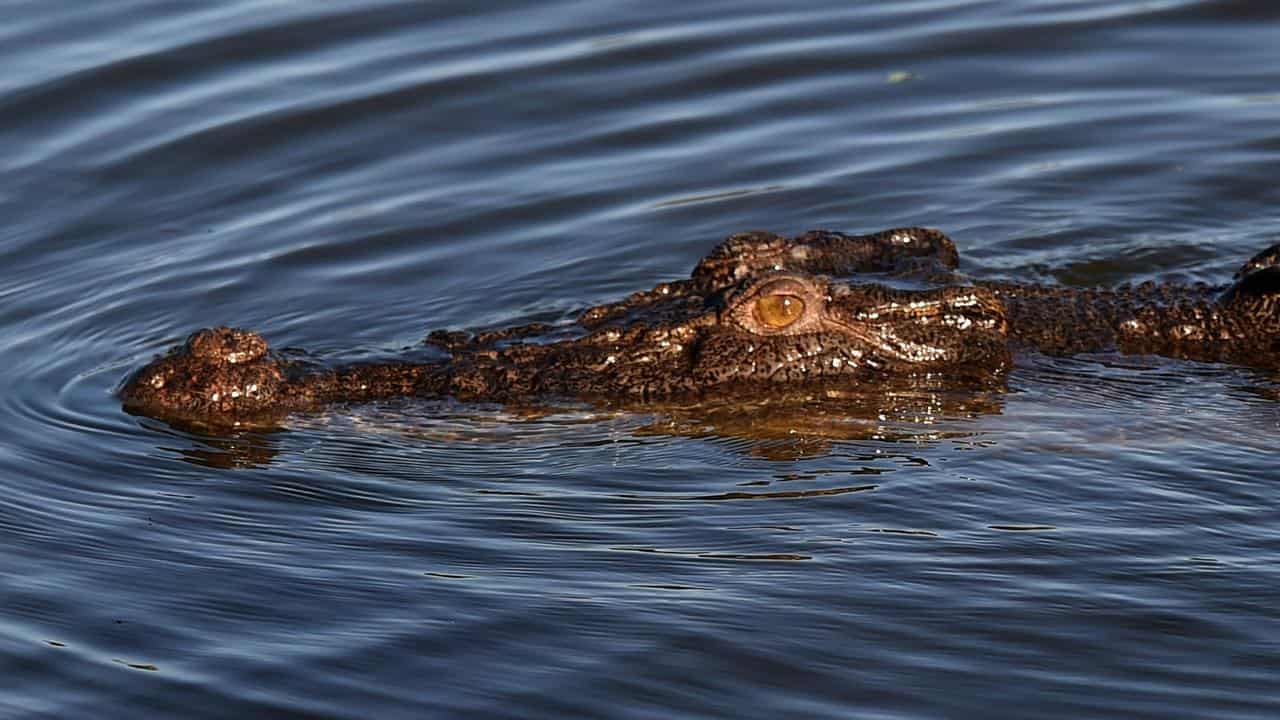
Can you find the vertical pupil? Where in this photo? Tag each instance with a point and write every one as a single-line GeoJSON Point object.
{"type": "Point", "coordinates": [779, 310]}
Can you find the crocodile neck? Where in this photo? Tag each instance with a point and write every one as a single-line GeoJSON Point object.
{"type": "Point", "coordinates": [1181, 321]}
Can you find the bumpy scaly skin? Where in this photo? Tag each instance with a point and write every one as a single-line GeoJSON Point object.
{"type": "Point", "coordinates": [1237, 324]}
{"type": "Point", "coordinates": [226, 376]}
{"type": "Point", "coordinates": [1191, 322]}
{"type": "Point", "coordinates": [712, 335]}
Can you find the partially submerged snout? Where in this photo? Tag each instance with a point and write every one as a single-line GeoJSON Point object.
{"type": "Point", "coordinates": [226, 377]}
{"type": "Point", "coordinates": [218, 373]}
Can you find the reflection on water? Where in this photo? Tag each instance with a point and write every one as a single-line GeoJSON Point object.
{"type": "Point", "coordinates": [242, 451]}
{"type": "Point", "coordinates": [780, 427]}
{"type": "Point", "coordinates": [1095, 539]}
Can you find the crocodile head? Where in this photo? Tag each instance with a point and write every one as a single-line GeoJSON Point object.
{"type": "Point", "coordinates": [753, 319]}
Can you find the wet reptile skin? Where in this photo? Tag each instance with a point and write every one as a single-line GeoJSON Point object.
{"type": "Point", "coordinates": [759, 314]}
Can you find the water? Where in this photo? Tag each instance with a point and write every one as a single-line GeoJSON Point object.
{"type": "Point", "coordinates": [1101, 540]}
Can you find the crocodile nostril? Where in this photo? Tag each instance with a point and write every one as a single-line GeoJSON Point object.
{"type": "Point", "coordinates": [229, 345]}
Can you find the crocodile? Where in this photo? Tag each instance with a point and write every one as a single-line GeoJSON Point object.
{"type": "Point", "coordinates": [760, 314]}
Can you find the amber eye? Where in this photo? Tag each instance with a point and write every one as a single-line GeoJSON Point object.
{"type": "Point", "coordinates": [779, 310]}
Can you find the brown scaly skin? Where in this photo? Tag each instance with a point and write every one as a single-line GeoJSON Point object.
{"type": "Point", "coordinates": [713, 335]}
{"type": "Point", "coordinates": [1238, 324]}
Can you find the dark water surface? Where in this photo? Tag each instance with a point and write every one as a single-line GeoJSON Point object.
{"type": "Point", "coordinates": [1103, 540]}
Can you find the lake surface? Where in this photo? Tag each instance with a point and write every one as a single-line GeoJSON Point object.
{"type": "Point", "coordinates": [1100, 540]}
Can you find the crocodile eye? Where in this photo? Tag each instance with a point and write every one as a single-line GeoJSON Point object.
{"type": "Point", "coordinates": [778, 310]}
{"type": "Point", "coordinates": [780, 304]}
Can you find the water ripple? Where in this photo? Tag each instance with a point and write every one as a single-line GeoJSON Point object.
{"type": "Point", "coordinates": [1098, 539]}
